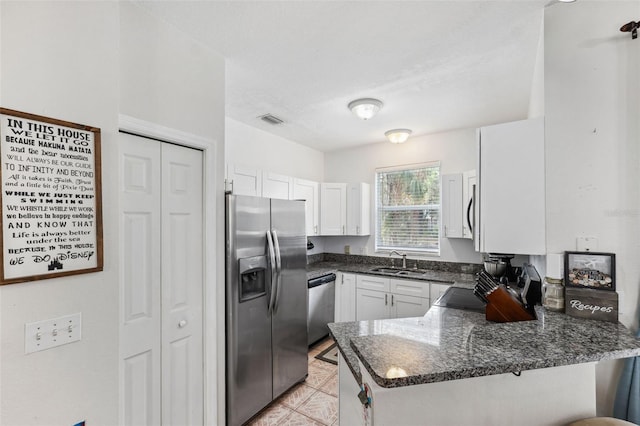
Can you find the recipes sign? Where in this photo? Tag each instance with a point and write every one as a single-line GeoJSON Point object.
{"type": "Point", "coordinates": [51, 198]}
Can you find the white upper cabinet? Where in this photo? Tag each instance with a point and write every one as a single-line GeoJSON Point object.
{"type": "Point", "coordinates": [452, 205]}
{"type": "Point", "coordinates": [457, 204]}
{"type": "Point", "coordinates": [333, 209]}
{"type": "Point", "coordinates": [330, 208]}
{"type": "Point", "coordinates": [244, 180]}
{"type": "Point", "coordinates": [512, 188]}
{"type": "Point", "coordinates": [310, 192]}
{"type": "Point", "coordinates": [358, 208]}
{"type": "Point", "coordinates": [468, 208]}
{"type": "Point", "coordinates": [345, 209]}
{"type": "Point", "coordinates": [277, 186]}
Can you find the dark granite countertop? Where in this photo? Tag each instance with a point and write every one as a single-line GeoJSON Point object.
{"type": "Point", "coordinates": [320, 268]}
{"type": "Point", "coordinates": [449, 344]}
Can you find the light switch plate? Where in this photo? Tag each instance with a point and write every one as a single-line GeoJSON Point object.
{"type": "Point", "coordinates": [46, 334]}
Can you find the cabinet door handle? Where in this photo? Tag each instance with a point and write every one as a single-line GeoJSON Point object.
{"type": "Point", "coordinates": [357, 230]}
{"type": "Point", "coordinates": [385, 299]}
{"type": "Point", "coordinates": [343, 232]}
{"type": "Point", "coordinates": [392, 300]}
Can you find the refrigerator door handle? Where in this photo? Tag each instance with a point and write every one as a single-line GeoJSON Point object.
{"type": "Point", "coordinates": [272, 261]}
{"type": "Point", "coordinates": [278, 268]}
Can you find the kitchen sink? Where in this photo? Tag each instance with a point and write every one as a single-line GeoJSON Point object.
{"type": "Point", "coordinates": [400, 272]}
{"type": "Point", "coordinates": [387, 270]}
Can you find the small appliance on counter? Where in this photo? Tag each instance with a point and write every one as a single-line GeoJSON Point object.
{"type": "Point", "coordinates": [499, 266]}
{"type": "Point", "coordinates": [531, 284]}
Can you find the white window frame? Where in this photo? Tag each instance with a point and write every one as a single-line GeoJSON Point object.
{"type": "Point", "coordinates": [377, 207]}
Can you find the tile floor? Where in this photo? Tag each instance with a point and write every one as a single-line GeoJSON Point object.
{"type": "Point", "coordinates": [314, 402]}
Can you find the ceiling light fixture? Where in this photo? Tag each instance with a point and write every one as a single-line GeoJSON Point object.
{"type": "Point", "coordinates": [365, 108]}
{"type": "Point", "coordinates": [553, 2]}
{"type": "Point", "coordinates": [398, 135]}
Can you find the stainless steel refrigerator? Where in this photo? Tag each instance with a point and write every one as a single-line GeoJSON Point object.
{"type": "Point", "coordinates": [266, 302]}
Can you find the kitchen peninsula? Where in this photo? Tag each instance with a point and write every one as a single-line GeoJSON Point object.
{"type": "Point", "coordinates": [454, 367]}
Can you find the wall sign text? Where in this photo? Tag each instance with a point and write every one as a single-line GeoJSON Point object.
{"type": "Point", "coordinates": [51, 197]}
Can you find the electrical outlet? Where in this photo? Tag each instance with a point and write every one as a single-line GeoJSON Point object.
{"type": "Point", "coordinates": [46, 334]}
{"type": "Point", "coordinates": [586, 244]}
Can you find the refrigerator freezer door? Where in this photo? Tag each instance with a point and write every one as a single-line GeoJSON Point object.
{"type": "Point", "coordinates": [289, 321]}
{"type": "Point", "coordinates": [249, 360]}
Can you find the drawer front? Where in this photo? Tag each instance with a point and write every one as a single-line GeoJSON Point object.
{"type": "Point", "coordinates": [372, 283]}
{"type": "Point", "coordinates": [410, 288]}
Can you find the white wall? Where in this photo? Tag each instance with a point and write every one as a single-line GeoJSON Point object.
{"type": "Point", "coordinates": [61, 60]}
{"type": "Point", "coordinates": [592, 109]}
{"type": "Point", "coordinates": [170, 80]}
{"type": "Point", "coordinates": [456, 151]}
{"type": "Point", "coordinates": [253, 147]}
{"type": "Point", "coordinates": [64, 60]}
{"type": "Point", "coordinates": [536, 99]}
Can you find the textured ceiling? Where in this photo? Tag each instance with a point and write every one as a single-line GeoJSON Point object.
{"type": "Point", "coordinates": [436, 65]}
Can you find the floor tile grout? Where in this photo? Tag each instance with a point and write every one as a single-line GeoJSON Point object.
{"type": "Point", "coordinates": [327, 368]}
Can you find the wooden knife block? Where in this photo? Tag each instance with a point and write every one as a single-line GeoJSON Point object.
{"type": "Point", "coordinates": [503, 307]}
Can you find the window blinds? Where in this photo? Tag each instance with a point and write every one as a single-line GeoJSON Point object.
{"type": "Point", "coordinates": [408, 208]}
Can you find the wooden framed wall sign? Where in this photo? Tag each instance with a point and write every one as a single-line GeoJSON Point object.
{"type": "Point", "coordinates": [51, 221]}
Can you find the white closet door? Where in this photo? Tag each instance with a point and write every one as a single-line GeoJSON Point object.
{"type": "Point", "coordinates": [182, 264]}
{"type": "Point", "coordinates": [161, 255]}
{"type": "Point", "coordinates": [140, 280]}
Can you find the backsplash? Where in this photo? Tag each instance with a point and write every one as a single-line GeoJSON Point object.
{"type": "Point", "coordinates": [463, 268]}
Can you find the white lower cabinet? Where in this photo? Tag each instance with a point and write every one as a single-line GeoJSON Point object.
{"type": "Point", "coordinates": [371, 304]}
{"type": "Point", "coordinates": [383, 298]}
{"type": "Point", "coordinates": [438, 403]}
{"type": "Point", "coordinates": [436, 291]}
{"type": "Point", "coordinates": [345, 308]}
{"type": "Point", "coordinates": [403, 306]}
{"type": "Point", "coordinates": [349, 407]}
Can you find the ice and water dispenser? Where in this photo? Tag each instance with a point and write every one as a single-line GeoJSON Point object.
{"type": "Point", "coordinates": [253, 272]}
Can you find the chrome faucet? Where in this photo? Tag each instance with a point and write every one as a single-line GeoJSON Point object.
{"type": "Point", "coordinates": [404, 257]}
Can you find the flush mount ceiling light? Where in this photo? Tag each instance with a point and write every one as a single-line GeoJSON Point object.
{"type": "Point", "coordinates": [398, 135]}
{"type": "Point", "coordinates": [552, 2]}
{"type": "Point", "coordinates": [365, 108]}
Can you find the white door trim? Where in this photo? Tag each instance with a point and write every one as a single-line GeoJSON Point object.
{"type": "Point", "coordinates": [213, 294]}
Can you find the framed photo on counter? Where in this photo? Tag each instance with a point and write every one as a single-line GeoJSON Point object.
{"type": "Point", "coordinates": [590, 270]}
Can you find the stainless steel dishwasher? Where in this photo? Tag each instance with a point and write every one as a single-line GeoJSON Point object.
{"type": "Point", "coordinates": [322, 292]}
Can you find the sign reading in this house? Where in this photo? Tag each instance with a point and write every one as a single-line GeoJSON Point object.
{"type": "Point", "coordinates": [51, 197]}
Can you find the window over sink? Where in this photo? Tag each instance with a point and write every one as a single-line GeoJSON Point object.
{"type": "Point", "coordinates": [408, 208]}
